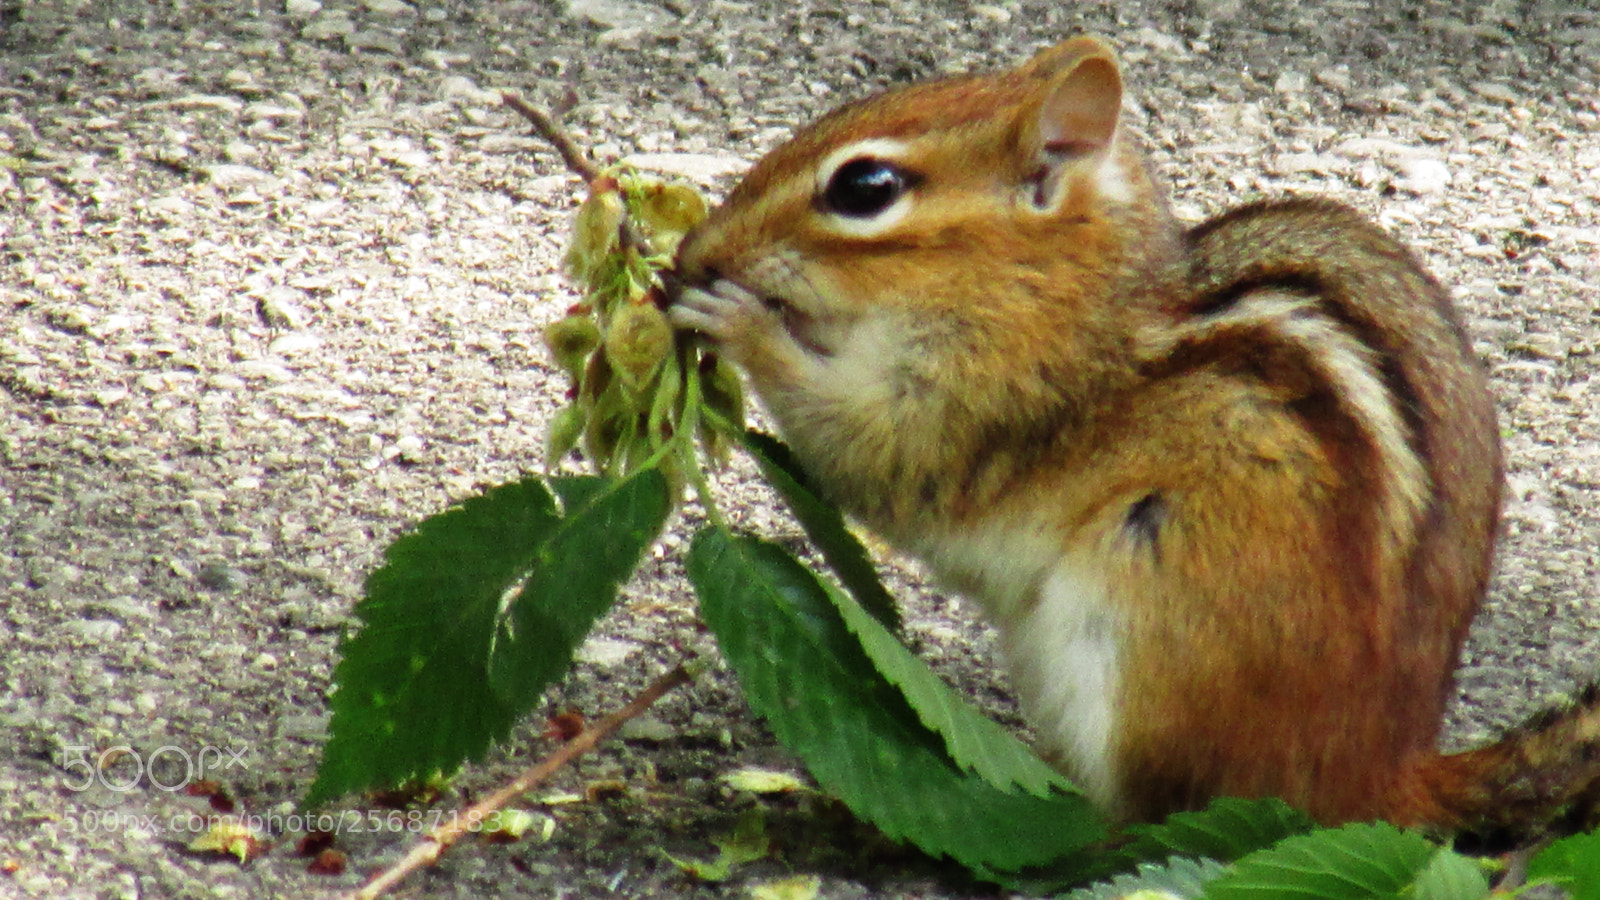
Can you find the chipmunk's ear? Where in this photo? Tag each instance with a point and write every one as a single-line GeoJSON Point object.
{"type": "Point", "coordinates": [1074, 113]}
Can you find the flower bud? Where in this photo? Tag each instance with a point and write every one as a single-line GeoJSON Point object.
{"type": "Point", "coordinates": [595, 230]}
{"type": "Point", "coordinates": [637, 343]}
{"type": "Point", "coordinates": [669, 211]}
{"type": "Point", "coordinates": [565, 429]}
{"type": "Point", "coordinates": [570, 341]}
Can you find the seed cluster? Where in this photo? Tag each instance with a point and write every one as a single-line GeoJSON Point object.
{"type": "Point", "coordinates": [637, 385]}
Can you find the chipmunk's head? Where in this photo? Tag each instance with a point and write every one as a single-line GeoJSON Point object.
{"type": "Point", "coordinates": [932, 194]}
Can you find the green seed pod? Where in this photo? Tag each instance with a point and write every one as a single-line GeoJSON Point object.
{"type": "Point", "coordinates": [637, 343]}
{"type": "Point", "coordinates": [668, 212]}
{"type": "Point", "coordinates": [595, 230]}
{"type": "Point", "coordinates": [664, 404]}
{"type": "Point", "coordinates": [565, 429]}
{"type": "Point", "coordinates": [610, 427]}
{"type": "Point", "coordinates": [571, 340]}
{"type": "Point", "coordinates": [596, 378]}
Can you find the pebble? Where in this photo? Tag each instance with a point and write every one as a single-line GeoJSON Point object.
{"type": "Point", "coordinates": [127, 608]}
{"type": "Point", "coordinates": [1422, 176]}
{"type": "Point", "coordinates": [374, 40]}
{"type": "Point", "coordinates": [460, 87]}
{"type": "Point", "coordinates": [694, 166]}
{"type": "Point", "coordinates": [306, 726]}
{"type": "Point", "coordinates": [207, 101]}
{"type": "Point", "coordinates": [328, 26]}
{"type": "Point", "coordinates": [279, 307]}
{"type": "Point", "coordinates": [233, 175]}
{"type": "Point", "coordinates": [619, 14]}
{"type": "Point", "coordinates": [1494, 90]}
{"type": "Point", "coordinates": [241, 152]}
{"type": "Point", "coordinates": [221, 577]}
{"type": "Point", "coordinates": [604, 651]}
{"type": "Point", "coordinates": [1335, 78]}
{"type": "Point", "coordinates": [260, 49]}
{"type": "Point", "coordinates": [1291, 82]}
{"type": "Point", "coordinates": [255, 368]}
{"type": "Point", "coordinates": [647, 728]}
{"type": "Point", "coordinates": [273, 111]}
{"type": "Point", "coordinates": [104, 630]}
{"type": "Point", "coordinates": [996, 14]}
{"type": "Point", "coordinates": [298, 342]}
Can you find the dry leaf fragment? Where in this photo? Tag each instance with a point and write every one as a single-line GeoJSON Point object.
{"type": "Point", "coordinates": [213, 791]}
{"type": "Point", "coordinates": [231, 836]}
{"type": "Point", "coordinates": [565, 726]}
{"type": "Point", "coordinates": [328, 862]}
{"type": "Point", "coordinates": [797, 887]}
{"type": "Point", "coordinates": [607, 789]}
{"type": "Point", "coordinates": [747, 842]}
{"type": "Point", "coordinates": [312, 843]}
{"type": "Point", "coordinates": [762, 781]}
{"type": "Point", "coordinates": [513, 825]}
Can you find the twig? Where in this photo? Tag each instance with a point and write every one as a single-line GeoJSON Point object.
{"type": "Point", "coordinates": [551, 130]}
{"type": "Point", "coordinates": [578, 162]}
{"type": "Point", "coordinates": [431, 847]}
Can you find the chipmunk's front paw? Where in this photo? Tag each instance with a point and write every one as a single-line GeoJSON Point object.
{"type": "Point", "coordinates": [718, 310]}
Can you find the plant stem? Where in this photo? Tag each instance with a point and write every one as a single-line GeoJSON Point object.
{"type": "Point", "coordinates": [433, 846]}
{"type": "Point", "coordinates": [688, 426]}
{"type": "Point", "coordinates": [551, 130]}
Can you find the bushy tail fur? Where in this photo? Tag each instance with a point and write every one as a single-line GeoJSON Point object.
{"type": "Point", "coordinates": [1542, 776]}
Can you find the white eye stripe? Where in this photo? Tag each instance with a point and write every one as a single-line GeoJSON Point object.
{"type": "Point", "coordinates": [886, 149]}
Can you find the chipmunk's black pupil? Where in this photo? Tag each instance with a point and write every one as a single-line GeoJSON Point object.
{"type": "Point", "coordinates": [865, 187]}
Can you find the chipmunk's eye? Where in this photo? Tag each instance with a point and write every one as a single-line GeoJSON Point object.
{"type": "Point", "coordinates": [866, 186]}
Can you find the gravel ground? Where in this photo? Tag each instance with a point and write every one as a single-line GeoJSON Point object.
{"type": "Point", "coordinates": [271, 279]}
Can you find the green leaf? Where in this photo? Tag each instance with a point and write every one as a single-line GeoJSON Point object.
{"type": "Point", "coordinates": [1573, 863]}
{"type": "Point", "coordinates": [1226, 830]}
{"type": "Point", "coordinates": [414, 694]}
{"type": "Point", "coordinates": [574, 579]}
{"type": "Point", "coordinates": [824, 526]}
{"type": "Point", "coordinates": [1356, 862]}
{"type": "Point", "coordinates": [805, 672]}
{"type": "Point", "coordinates": [1183, 879]}
{"type": "Point", "coordinates": [973, 740]}
{"type": "Point", "coordinates": [1451, 876]}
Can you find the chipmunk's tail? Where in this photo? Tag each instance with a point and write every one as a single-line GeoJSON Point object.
{"type": "Point", "coordinates": [1543, 775]}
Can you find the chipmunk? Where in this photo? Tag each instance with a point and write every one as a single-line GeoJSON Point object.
{"type": "Point", "coordinates": [1228, 495]}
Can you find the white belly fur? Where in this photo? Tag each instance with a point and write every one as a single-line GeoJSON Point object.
{"type": "Point", "coordinates": [1062, 657]}
{"type": "Point", "coordinates": [1060, 637]}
